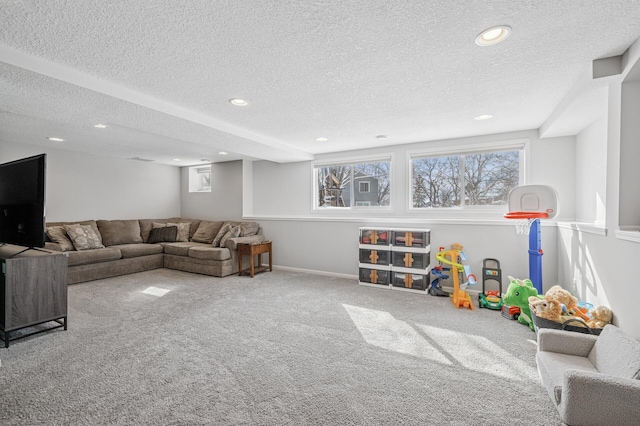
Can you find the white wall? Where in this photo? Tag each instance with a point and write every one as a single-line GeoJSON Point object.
{"type": "Point", "coordinates": [322, 241]}
{"type": "Point", "coordinates": [591, 173]}
{"type": "Point", "coordinates": [83, 186]}
{"type": "Point", "coordinates": [225, 199]}
{"type": "Point", "coordinates": [598, 264]}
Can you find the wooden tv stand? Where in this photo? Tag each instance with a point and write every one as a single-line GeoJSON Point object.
{"type": "Point", "coordinates": [33, 291]}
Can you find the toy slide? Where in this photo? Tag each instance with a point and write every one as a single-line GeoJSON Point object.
{"type": "Point", "coordinates": [459, 296]}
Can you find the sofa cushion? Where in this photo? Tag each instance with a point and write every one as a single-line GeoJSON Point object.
{"type": "Point", "coordinates": [93, 256]}
{"type": "Point", "coordinates": [207, 231]}
{"type": "Point", "coordinates": [231, 233]}
{"type": "Point", "coordinates": [209, 253]}
{"type": "Point", "coordinates": [115, 232]}
{"type": "Point", "coordinates": [137, 250]}
{"type": "Point", "coordinates": [147, 224]}
{"type": "Point", "coordinates": [616, 354]}
{"type": "Point", "coordinates": [83, 237]}
{"type": "Point", "coordinates": [166, 234]}
{"type": "Point", "coordinates": [552, 366]}
{"type": "Point", "coordinates": [221, 232]}
{"type": "Point", "coordinates": [58, 234]}
{"type": "Point", "coordinates": [92, 223]}
{"type": "Point", "coordinates": [248, 229]}
{"type": "Point", "coordinates": [183, 229]}
{"type": "Point", "coordinates": [181, 248]}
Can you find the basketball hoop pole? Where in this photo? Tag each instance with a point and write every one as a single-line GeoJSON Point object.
{"type": "Point", "coordinates": [535, 245]}
{"type": "Point", "coordinates": [535, 255]}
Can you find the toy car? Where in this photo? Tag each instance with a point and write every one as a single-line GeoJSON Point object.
{"type": "Point", "coordinates": [510, 312]}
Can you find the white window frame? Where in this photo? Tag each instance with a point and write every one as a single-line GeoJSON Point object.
{"type": "Point", "coordinates": [198, 172]}
{"type": "Point", "coordinates": [522, 145]}
{"type": "Point", "coordinates": [350, 161]}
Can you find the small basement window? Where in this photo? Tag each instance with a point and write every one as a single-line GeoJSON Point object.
{"type": "Point", "coordinates": [200, 178]}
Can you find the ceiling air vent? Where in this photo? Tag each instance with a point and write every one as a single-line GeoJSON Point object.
{"type": "Point", "coordinates": [144, 160]}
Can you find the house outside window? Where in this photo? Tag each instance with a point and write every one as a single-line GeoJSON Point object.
{"type": "Point", "coordinates": [354, 184]}
{"type": "Point", "coordinates": [465, 179]}
{"type": "Point", "coordinates": [200, 178]}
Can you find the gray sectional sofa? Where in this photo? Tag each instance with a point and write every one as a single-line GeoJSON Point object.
{"type": "Point", "coordinates": [129, 246]}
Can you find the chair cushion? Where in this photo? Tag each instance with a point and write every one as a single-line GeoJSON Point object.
{"type": "Point", "coordinates": [616, 354]}
{"type": "Point", "coordinates": [552, 366]}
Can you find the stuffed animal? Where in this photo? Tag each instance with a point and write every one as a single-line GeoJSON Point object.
{"type": "Point", "coordinates": [562, 296]}
{"type": "Point", "coordinates": [546, 308]}
{"type": "Point", "coordinates": [518, 294]}
{"type": "Point", "coordinates": [600, 316]}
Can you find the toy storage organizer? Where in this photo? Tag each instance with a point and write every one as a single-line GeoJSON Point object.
{"type": "Point", "coordinates": [395, 258]}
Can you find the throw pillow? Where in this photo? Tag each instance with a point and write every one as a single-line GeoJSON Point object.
{"type": "Point", "coordinates": [58, 235]}
{"type": "Point", "coordinates": [206, 232]}
{"type": "Point", "coordinates": [231, 233]}
{"type": "Point", "coordinates": [83, 237]}
{"type": "Point", "coordinates": [225, 228]}
{"type": "Point", "coordinates": [165, 234]}
{"type": "Point", "coordinates": [183, 230]}
{"type": "Point", "coordinates": [248, 229]}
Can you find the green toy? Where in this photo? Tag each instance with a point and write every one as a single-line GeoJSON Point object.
{"type": "Point", "coordinates": [518, 294]}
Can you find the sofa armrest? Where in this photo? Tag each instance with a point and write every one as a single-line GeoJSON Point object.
{"type": "Point", "coordinates": [232, 243]}
{"type": "Point", "coordinates": [595, 398]}
{"type": "Point", "coordinates": [565, 342]}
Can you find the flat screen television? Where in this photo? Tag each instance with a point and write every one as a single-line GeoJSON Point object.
{"type": "Point", "coordinates": [22, 201]}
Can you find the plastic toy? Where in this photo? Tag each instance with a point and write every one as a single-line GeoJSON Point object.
{"type": "Point", "coordinates": [510, 312]}
{"type": "Point", "coordinates": [453, 257]}
{"type": "Point", "coordinates": [434, 288]}
{"type": "Point", "coordinates": [491, 272]}
{"type": "Point", "coordinates": [518, 294]}
{"type": "Point", "coordinates": [528, 204]}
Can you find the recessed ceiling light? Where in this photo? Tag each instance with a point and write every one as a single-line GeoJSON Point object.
{"type": "Point", "coordinates": [56, 139]}
{"type": "Point", "coordinates": [483, 117]}
{"type": "Point", "coordinates": [493, 35]}
{"type": "Point", "coordinates": [321, 139]}
{"type": "Point", "coordinates": [222, 153]}
{"type": "Point", "coordinates": [381, 137]}
{"type": "Point", "coordinates": [177, 159]}
{"type": "Point", "coordinates": [100, 126]}
{"type": "Point", "coordinates": [205, 160]}
{"type": "Point", "coordinates": [238, 102]}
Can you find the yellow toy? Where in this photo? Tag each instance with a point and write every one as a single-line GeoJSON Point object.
{"type": "Point", "coordinates": [546, 308]}
{"type": "Point", "coordinates": [600, 316]}
{"type": "Point", "coordinates": [562, 296]}
{"type": "Point", "coordinates": [459, 296]}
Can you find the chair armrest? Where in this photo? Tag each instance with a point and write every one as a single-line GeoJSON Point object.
{"type": "Point", "coordinates": [595, 398]}
{"type": "Point", "coordinates": [232, 243]}
{"type": "Point", "coordinates": [565, 342]}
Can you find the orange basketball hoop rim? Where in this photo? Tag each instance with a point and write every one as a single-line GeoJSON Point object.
{"type": "Point", "coordinates": [526, 215]}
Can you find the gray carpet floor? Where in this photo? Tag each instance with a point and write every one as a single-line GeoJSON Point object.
{"type": "Point", "coordinates": [283, 348]}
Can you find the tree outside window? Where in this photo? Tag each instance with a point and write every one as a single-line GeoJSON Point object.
{"type": "Point", "coordinates": [360, 184]}
{"type": "Point", "coordinates": [473, 179]}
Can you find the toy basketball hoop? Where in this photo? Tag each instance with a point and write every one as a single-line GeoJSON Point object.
{"type": "Point", "coordinates": [530, 202]}
{"type": "Point", "coordinates": [527, 205]}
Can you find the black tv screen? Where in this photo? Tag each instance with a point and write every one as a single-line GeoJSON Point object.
{"type": "Point", "coordinates": [22, 201]}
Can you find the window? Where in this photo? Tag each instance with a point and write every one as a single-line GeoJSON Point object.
{"type": "Point", "coordinates": [464, 180]}
{"type": "Point", "coordinates": [359, 184]}
{"type": "Point", "coordinates": [200, 178]}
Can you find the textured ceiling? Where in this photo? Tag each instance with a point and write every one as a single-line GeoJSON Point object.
{"type": "Point", "coordinates": [160, 73]}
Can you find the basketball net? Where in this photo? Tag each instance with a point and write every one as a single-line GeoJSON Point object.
{"type": "Point", "coordinates": [523, 226]}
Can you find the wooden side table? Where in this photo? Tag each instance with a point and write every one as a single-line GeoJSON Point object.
{"type": "Point", "coordinates": [252, 250]}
